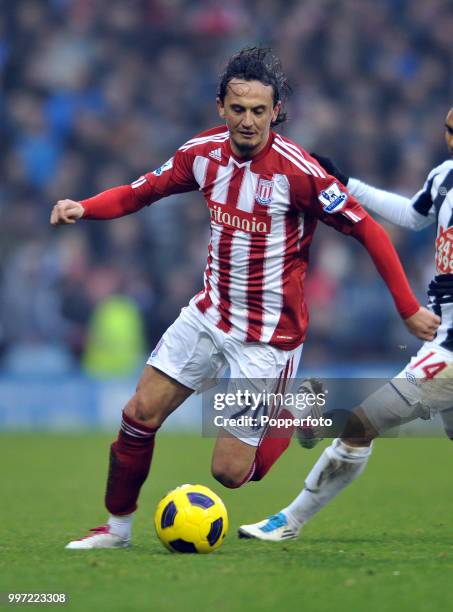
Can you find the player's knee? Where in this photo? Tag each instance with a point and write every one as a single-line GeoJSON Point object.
{"type": "Point", "coordinates": [141, 409]}
{"type": "Point", "coordinates": [229, 475]}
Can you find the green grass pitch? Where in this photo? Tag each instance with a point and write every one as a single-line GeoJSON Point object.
{"type": "Point", "coordinates": [385, 544]}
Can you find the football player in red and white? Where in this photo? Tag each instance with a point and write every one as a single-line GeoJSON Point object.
{"type": "Point", "coordinates": [425, 385]}
{"type": "Point", "coordinates": [265, 195]}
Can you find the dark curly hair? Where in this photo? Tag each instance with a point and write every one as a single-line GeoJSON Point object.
{"type": "Point", "coordinates": [257, 64]}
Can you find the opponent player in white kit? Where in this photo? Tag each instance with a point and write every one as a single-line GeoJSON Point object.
{"type": "Point", "coordinates": [265, 195]}
{"type": "Point", "coordinates": [426, 383]}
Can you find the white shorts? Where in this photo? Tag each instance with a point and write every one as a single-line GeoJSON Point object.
{"type": "Point", "coordinates": [424, 386]}
{"type": "Point", "coordinates": [194, 352]}
{"type": "Point", "coordinates": [428, 378]}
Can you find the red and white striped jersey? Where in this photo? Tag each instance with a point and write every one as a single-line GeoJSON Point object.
{"type": "Point", "coordinates": [263, 214]}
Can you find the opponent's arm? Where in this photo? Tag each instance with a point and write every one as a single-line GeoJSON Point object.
{"type": "Point", "coordinates": [391, 206]}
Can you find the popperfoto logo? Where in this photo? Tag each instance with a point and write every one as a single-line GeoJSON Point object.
{"type": "Point", "coordinates": [245, 408]}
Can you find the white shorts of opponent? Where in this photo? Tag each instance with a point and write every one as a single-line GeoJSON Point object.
{"type": "Point", "coordinates": [194, 352]}
{"type": "Point", "coordinates": [422, 388]}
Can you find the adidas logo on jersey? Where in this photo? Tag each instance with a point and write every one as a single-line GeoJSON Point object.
{"type": "Point", "coordinates": [216, 154]}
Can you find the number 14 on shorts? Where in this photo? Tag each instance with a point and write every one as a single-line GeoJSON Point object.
{"type": "Point", "coordinates": [428, 367]}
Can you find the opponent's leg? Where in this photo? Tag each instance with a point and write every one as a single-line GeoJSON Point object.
{"type": "Point", "coordinates": [339, 465]}
{"type": "Point", "coordinates": [157, 395]}
{"type": "Point", "coordinates": [390, 406]}
{"type": "Point", "coordinates": [447, 421]}
{"type": "Point", "coordinates": [309, 436]}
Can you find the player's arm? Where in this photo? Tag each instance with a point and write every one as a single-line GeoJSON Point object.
{"type": "Point", "coordinates": [175, 176]}
{"type": "Point", "coordinates": [110, 204]}
{"type": "Point", "coordinates": [412, 213]}
{"type": "Point", "coordinates": [419, 321]}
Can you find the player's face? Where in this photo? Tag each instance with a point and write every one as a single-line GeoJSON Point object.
{"type": "Point", "coordinates": [449, 130]}
{"type": "Point", "coordinates": [248, 110]}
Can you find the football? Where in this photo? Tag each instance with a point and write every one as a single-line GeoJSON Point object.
{"type": "Point", "coordinates": [191, 519]}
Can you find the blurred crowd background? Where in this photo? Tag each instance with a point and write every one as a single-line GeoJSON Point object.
{"type": "Point", "coordinates": [97, 92]}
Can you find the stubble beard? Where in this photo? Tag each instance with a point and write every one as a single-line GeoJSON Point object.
{"type": "Point", "coordinates": [245, 148]}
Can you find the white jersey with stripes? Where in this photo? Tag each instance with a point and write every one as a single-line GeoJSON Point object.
{"type": "Point", "coordinates": [432, 204]}
{"type": "Point", "coordinates": [263, 212]}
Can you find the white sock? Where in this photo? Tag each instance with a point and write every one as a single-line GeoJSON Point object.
{"type": "Point", "coordinates": [335, 469]}
{"type": "Point", "coordinates": [121, 525]}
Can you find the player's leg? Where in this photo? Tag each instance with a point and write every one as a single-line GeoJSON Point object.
{"type": "Point", "coordinates": [236, 461]}
{"type": "Point", "coordinates": [275, 439]}
{"type": "Point", "coordinates": [156, 396]}
{"type": "Point", "coordinates": [232, 460]}
{"type": "Point", "coordinates": [244, 453]}
{"type": "Point", "coordinates": [183, 359]}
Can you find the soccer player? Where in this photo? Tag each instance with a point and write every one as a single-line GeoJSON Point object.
{"type": "Point", "coordinates": [426, 383]}
{"type": "Point", "coordinates": [265, 195]}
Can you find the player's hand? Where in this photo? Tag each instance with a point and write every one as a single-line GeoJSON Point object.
{"type": "Point", "coordinates": [66, 211]}
{"type": "Point", "coordinates": [423, 324]}
{"type": "Point", "coordinates": [331, 168]}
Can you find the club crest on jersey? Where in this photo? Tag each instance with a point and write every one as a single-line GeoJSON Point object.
{"type": "Point", "coordinates": [264, 191]}
{"type": "Point", "coordinates": [168, 164]}
{"type": "Point", "coordinates": [332, 198]}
